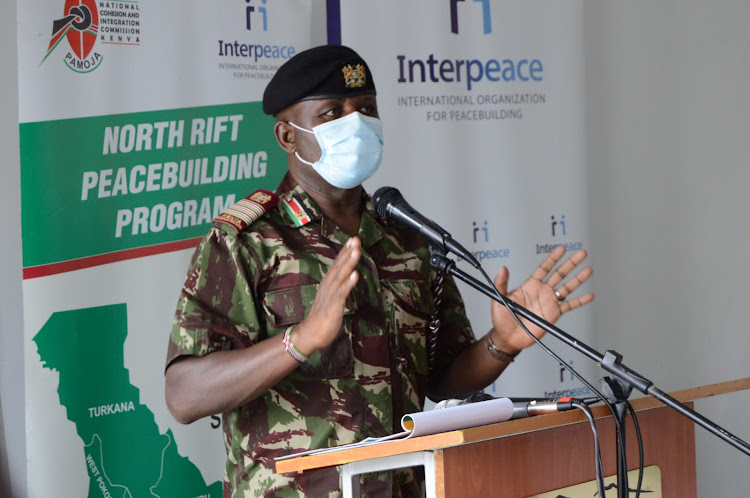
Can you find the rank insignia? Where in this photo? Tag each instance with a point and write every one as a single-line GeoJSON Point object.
{"type": "Point", "coordinates": [246, 211]}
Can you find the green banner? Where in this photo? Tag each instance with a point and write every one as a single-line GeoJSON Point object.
{"type": "Point", "coordinates": [125, 452]}
{"type": "Point", "coordinates": [102, 184]}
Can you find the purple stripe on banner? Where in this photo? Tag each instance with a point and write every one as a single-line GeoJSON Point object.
{"type": "Point", "coordinates": [333, 17]}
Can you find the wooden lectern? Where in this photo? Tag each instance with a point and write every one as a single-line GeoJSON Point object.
{"type": "Point", "coordinates": [526, 457]}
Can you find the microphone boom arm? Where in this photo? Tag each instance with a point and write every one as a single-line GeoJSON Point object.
{"type": "Point", "coordinates": [611, 361]}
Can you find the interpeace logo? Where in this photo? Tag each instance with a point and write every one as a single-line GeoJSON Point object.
{"type": "Point", "coordinates": [249, 14]}
{"type": "Point", "coordinates": [486, 16]}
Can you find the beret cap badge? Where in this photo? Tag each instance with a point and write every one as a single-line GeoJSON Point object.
{"type": "Point", "coordinates": [323, 72]}
{"type": "Point", "coordinates": [354, 77]}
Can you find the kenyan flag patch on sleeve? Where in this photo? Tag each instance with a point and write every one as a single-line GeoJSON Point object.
{"type": "Point", "coordinates": [296, 210]}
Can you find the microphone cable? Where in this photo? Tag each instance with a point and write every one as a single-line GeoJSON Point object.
{"type": "Point", "coordinates": [619, 439]}
{"type": "Point", "coordinates": [631, 410]}
{"type": "Point", "coordinates": [597, 451]}
{"type": "Point", "coordinates": [385, 196]}
{"type": "Point", "coordinates": [544, 347]}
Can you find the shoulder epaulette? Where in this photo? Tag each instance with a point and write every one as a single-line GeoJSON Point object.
{"type": "Point", "coordinates": [244, 212]}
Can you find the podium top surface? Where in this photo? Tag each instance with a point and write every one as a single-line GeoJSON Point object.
{"type": "Point", "coordinates": [492, 431]}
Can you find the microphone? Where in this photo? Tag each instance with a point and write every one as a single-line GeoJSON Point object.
{"type": "Point", "coordinates": [389, 204]}
{"type": "Point", "coordinates": [474, 398]}
{"type": "Point", "coordinates": [522, 407]}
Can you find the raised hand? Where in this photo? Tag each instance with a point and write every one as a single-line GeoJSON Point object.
{"type": "Point", "coordinates": [323, 322]}
{"type": "Point", "coordinates": [545, 293]}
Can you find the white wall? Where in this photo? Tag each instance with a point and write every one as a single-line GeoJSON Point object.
{"type": "Point", "coordinates": [668, 154]}
{"type": "Point", "coordinates": [12, 441]}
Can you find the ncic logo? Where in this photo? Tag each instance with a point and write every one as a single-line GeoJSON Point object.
{"type": "Point", "coordinates": [80, 27]}
{"type": "Point", "coordinates": [250, 15]}
{"type": "Point", "coordinates": [486, 18]}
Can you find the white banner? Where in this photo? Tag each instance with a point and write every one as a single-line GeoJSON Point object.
{"type": "Point", "coordinates": [483, 111]}
{"type": "Point", "coordinates": [482, 104]}
{"type": "Point", "coordinates": [131, 114]}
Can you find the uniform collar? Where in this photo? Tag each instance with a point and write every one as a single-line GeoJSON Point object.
{"type": "Point", "coordinates": [297, 208]}
{"type": "Point", "coordinates": [371, 229]}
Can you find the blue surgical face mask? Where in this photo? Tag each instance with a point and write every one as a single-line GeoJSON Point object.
{"type": "Point", "coordinates": [352, 149]}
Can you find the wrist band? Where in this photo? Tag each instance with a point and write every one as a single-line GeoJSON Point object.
{"type": "Point", "coordinates": [498, 354]}
{"type": "Point", "coordinates": [291, 349]}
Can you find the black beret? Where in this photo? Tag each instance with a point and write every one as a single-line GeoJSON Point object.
{"type": "Point", "coordinates": [325, 72]}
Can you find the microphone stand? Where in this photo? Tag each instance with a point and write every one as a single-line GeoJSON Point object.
{"type": "Point", "coordinates": [617, 394]}
{"type": "Point", "coordinates": [611, 361]}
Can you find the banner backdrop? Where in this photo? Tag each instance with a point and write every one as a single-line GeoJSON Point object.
{"type": "Point", "coordinates": [140, 121]}
{"type": "Point", "coordinates": [482, 104]}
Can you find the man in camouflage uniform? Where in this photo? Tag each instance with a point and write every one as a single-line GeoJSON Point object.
{"type": "Point", "coordinates": [304, 318]}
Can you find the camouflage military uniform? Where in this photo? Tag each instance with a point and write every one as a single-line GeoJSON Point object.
{"type": "Point", "coordinates": [244, 287]}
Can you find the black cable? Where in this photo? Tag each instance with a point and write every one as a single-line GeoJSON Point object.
{"type": "Point", "coordinates": [623, 487]}
{"type": "Point", "coordinates": [544, 346]}
{"type": "Point", "coordinates": [640, 449]}
{"type": "Point", "coordinates": [597, 452]}
{"type": "Point", "coordinates": [619, 439]}
{"type": "Point", "coordinates": [539, 342]}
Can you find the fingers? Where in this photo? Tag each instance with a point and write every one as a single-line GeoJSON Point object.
{"type": "Point", "coordinates": [576, 303]}
{"type": "Point", "coordinates": [545, 267]}
{"type": "Point", "coordinates": [342, 277]}
{"type": "Point", "coordinates": [567, 288]}
{"type": "Point", "coordinates": [546, 270]}
{"type": "Point", "coordinates": [556, 276]}
{"type": "Point", "coordinates": [324, 320]}
{"type": "Point", "coordinates": [501, 280]}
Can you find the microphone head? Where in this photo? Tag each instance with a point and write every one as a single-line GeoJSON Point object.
{"type": "Point", "coordinates": [449, 403]}
{"type": "Point", "coordinates": [478, 397]}
{"type": "Point", "coordinates": [382, 198]}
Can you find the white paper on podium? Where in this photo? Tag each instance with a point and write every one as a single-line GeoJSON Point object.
{"type": "Point", "coordinates": [432, 422]}
{"type": "Point", "coordinates": [457, 417]}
